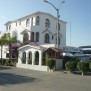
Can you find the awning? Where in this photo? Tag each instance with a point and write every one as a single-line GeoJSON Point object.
{"type": "Point", "coordinates": [67, 54]}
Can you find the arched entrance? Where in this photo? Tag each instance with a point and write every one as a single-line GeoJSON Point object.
{"type": "Point", "coordinates": [30, 57]}
{"type": "Point", "coordinates": [36, 58]}
{"type": "Point", "coordinates": [24, 58]}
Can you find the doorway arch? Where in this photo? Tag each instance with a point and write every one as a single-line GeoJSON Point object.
{"type": "Point", "coordinates": [36, 58]}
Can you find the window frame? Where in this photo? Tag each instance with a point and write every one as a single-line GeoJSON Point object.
{"type": "Point", "coordinates": [47, 23]}
{"type": "Point", "coordinates": [25, 38]}
{"type": "Point", "coordinates": [37, 20]}
{"type": "Point", "coordinates": [32, 36]}
{"type": "Point", "coordinates": [47, 38]}
{"type": "Point", "coordinates": [37, 36]}
{"type": "Point", "coordinates": [27, 22]}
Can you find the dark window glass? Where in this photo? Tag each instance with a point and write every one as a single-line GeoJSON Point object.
{"type": "Point", "coordinates": [32, 36]}
{"type": "Point", "coordinates": [7, 55]}
{"type": "Point", "coordinates": [27, 22]}
{"type": "Point", "coordinates": [52, 37]}
{"type": "Point", "coordinates": [37, 36]}
{"type": "Point", "coordinates": [47, 38]}
{"type": "Point", "coordinates": [30, 55]}
{"type": "Point", "coordinates": [47, 23]}
{"type": "Point", "coordinates": [10, 27]}
{"type": "Point", "coordinates": [25, 38]}
{"type": "Point", "coordinates": [37, 20]}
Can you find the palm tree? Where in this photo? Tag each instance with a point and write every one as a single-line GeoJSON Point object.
{"type": "Point", "coordinates": [9, 41]}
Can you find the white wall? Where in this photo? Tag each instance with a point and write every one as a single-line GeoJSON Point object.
{"type": "Point", "coordinates": [59, 64]}
{"type": "Point", "coordinates": [4, 51]}
{"type": "Point", "coordinates": [33, 67]}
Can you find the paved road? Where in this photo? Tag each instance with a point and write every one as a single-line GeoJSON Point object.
{"type": "Point", "coordinates": [15, 79]}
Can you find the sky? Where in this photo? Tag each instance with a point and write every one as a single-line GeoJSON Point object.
{"type": "Point", "coordinates": [77, 14]}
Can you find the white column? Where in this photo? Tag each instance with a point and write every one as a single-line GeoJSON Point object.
{"type": "Point", "coordinates": [20, 58]}
{"type": "Point", "coordinates": [40, 58]}
{"type": "Point", "coordinates": [33, 58]}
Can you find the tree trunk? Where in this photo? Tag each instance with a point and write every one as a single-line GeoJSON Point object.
{"type": "Point", "coordinates": [82, 73]}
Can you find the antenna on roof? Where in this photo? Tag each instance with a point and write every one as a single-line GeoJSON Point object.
{"type": "Point", "coordinates": [70, 33]}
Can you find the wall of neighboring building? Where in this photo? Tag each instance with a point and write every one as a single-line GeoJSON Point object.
{"type": "Point", "coordinates": [4, 52]}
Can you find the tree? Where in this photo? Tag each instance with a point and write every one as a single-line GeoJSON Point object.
{"type": "Point", "coordinates": [51, 63]}
{"type": "Point", "coordinates": [83, 67]}
{"type": "Point", "coordinates": [70, 66]}
{"type": "Point", "coordinates": [9, 41]}
{"type": "Point", "coordinates": [46, 58]}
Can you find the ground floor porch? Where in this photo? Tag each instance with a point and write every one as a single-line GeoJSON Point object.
{"type": "Point", "coordinates": [34, 57]}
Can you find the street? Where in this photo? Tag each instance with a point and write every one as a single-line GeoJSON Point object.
{"type": "Point", "coordinates": [16, 79]}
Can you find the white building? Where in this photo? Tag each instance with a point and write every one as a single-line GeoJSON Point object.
{"type": "Point", "coordinates": [37, 31]}
{"type": "Point", "coordinates": [38, 27]}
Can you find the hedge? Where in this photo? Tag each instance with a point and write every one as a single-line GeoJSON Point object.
{"type": "Point", "coordinates": [70, 66]}
{"type": "Point", "coordinates": [51, 63]}
{"type": "Point", "coordinates": [83, 67]}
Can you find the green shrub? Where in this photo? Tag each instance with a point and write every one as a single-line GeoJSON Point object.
{"type": "Point", "coordinates": [23, 60]}
{"type": "Point", "coordinates": [90, 65]}
{"type": "Point", "coordinates": [51, 63]}
{"type": "Point", "coordinates": [46, 58]}
{"type": "Point", "coordinates": [6, 62]}
{"type": "Point", "coordinates": [12, 63]}
{"type": "Point", "coordinates": [29, 61]}
{"type": "Point", "coordinates": [70, 66]}
{"type": "Point", "coordinates": [83, 67]}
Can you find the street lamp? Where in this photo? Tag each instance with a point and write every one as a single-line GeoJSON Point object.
{"type": "Point", "coordinates": [57, 9]}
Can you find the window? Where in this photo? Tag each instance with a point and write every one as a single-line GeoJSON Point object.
{"type": "Point", "coordinates": [37, 20]}
{"type": "Point", "coordinates": [37, 36]}
{"type": "Point", "coordinates": [25, 38]}
{"type": "Point", "coordinates": [13, 55]}
{"type": "Point", "coordinates": [10, 27]}
{"type": "Point", "coordinates": [32, 36]}
{"type": "Point", "coordinates": [47, 23]}
{"type": "Point", "coordinates": [47, 38]}
{"type": "Point", "coordinates": [52, 37]}
{"type": "Point", "coordinates": [7, 55]}
{"type": "Point", "coordinates": [27, 22]}
{"type": "Point", "coordinates": [16, 23]}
